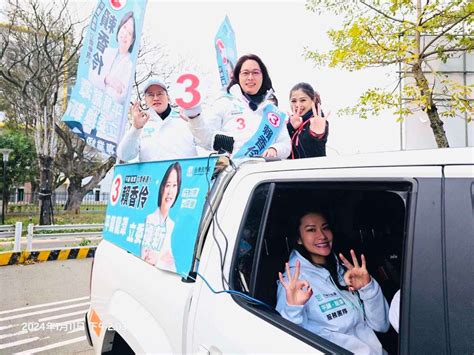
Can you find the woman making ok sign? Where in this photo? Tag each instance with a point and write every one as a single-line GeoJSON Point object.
{"type": "Point", "coordinates": [342, 305]}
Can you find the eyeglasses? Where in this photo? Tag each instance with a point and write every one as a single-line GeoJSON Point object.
{"type": "Point", "coordinates": [246, 73]}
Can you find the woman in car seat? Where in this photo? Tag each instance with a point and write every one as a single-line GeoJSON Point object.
{"type": "Point", "coordinates": [342, 304]}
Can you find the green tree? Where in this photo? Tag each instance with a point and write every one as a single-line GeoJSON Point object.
{"type": "Point", "coordinates": [22, 167]}
{"type": "Point", "coordinates": [412, 34]}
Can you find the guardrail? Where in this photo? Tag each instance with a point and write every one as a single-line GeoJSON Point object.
{"type": "Point", "coordinates": [12, 231]}
{"type": "Point", "coordinates": [32, 232]}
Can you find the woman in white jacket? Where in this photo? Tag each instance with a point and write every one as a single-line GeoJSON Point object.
{"type": "Point", "coordinates": [243, 121]}
{"type": "Point", "coordinates": [156, 244]}
{"type": "Point", "coordinates": [344, 306]}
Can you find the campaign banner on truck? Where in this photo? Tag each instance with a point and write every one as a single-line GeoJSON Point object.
{"type": "Point", "coordinates": [155, 209]}
{"type": "Point", "coordinates": [98, 106]}
{"type": "Point", "coordinates": [226, 51]}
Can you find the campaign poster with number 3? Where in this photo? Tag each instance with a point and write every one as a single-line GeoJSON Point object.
{"type": "Point", "coordinates": [98, 107]}
{"type": "Point", "coordinates": [155, 209]}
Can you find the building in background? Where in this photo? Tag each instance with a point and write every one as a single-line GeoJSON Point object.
{"type": "Point", "coordinates": [415, 130]}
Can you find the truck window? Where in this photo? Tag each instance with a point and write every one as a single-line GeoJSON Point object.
{"type": "Point", "coordinates": [249, 231]}
{"type": "Point", "coordinates": [369, 217]}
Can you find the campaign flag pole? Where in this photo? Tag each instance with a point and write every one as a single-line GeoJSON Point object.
{"type": "Point", "coordinates": [98, 107]}
{"type": "Point", "coordinates": [226, 51]}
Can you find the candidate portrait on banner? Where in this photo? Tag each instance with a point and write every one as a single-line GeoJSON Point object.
{"type": "Point", "coordinates": [98, 106]}
{"type": "Point", "coordinates": [114, 72]}
{"type": "Point", "coordinates": [155, 209]}
{"type": "Point", "coordinates": [156, 243]}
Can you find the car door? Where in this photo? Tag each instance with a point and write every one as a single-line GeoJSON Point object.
{"type": "Point", "coordinates": [422, 313]}
{"type": "Point", "coordinates": [459, 246]}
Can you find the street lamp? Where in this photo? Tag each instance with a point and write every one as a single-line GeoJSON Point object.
{"type": "Point", "coordinates": [5, 152]}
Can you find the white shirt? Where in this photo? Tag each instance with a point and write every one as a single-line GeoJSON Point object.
{"type": "Point", "coordinates": [159, 139]}
{"type": "Point", "coordinates": [394, 311]}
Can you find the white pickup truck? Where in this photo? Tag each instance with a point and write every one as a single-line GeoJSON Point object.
{"type": "Point", "coordinates": [410, 213]}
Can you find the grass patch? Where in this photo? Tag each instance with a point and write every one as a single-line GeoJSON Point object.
{"type": "Point", "coordinates": [85, 242]}
{"type": "Point", "coordinates": [6, 247]}
{"type": "Point", "coordinates": [64, 218]}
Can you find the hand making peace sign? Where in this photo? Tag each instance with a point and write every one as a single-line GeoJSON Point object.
{"type": "Point", "coordinates": [318, 122]}
{"type": "Point", "coordinates": [295, 118]}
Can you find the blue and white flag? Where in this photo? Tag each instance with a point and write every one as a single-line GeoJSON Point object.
{"type": "Point", "coordinates": [155, 209]}
{"type": "Point", "coordinates": [98, 106]}
{"type": "Point", "coordinates": [226, 51]}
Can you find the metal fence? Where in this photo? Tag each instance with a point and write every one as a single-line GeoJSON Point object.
{"type": "Point", "coordinates": [27, 203]}
{"type": "Point", "coordinates": [37, 232]}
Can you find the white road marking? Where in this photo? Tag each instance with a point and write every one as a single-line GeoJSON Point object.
{"type": "Point", "coordinates": [62, 316]}
{"type": "Point", "coordinates": [18, 342]}
{"type": "Point", "coordinates": [44, 305]}
{"type": "Point", "coordinates": [52, 346]}
{"type": "Point", "coordinates": [9, 335]}
{"type": "Point", "coordinates": [44, 311]}
{"type": "Point", "coordinates": [9, 326]}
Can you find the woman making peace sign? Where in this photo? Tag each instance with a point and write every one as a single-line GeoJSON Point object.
{"type": "Point", "coordinates": [307, 126]}
{"type": "Point", "coordinates": [342, 305]}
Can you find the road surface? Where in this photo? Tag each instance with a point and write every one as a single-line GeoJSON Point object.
{"type": "Point", "coordinates": [43, 306]}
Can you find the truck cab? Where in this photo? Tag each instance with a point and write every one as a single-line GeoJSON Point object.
{"type": "Point", "coordinates": [409, 213]}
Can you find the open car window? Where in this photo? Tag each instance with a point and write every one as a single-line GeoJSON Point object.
{"type": "Point", "coordinates": [370, 217]}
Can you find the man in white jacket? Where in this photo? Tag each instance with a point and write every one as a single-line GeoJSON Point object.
{"type": "Point", "coordinates": [157, 133]}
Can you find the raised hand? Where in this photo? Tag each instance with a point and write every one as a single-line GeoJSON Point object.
{"type": "Point", "coordinates": [139, 117]}
{"type": "Point", "coordinates": [298, 292]}
{"type": "Point", "coordinates": [356, 276]}
{"type": "Point", "coordinates": [295, 119]}
{"type": "Point", "coordinates": [318, 122]}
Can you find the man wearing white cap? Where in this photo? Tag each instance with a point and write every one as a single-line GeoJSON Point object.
{"type": "Point", "coordinates": [157, 133]}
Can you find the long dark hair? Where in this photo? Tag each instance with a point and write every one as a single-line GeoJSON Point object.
{"type": "Point", "coordinates": [175, 166]}
{"type": "Point", "coordinates": [266, 83]}
{"type": "Point", "coordinates": [125, 18]}
{"type": "Point", "coordinates": [331, 261]}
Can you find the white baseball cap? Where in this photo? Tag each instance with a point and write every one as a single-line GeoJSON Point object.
{"type": "Point", "coordinates": [154, 81]}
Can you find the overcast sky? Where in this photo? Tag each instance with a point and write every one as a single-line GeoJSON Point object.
{"type": "Point", "coordinates": [277, 31]}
